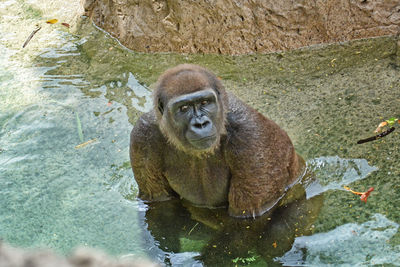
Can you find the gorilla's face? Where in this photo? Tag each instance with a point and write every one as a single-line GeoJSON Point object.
{"type": "Point", "coordinates": [195, 116]}
{"type": "Point", "coordinates": [190, 106]}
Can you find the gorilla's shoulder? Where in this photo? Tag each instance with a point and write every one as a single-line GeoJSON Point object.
{"type": "Point", "coordinates": [146, 130]}
{"type": "Point", "coordinates": [240, 116]}
{"type": "Point", "coordinates": [247, 126]}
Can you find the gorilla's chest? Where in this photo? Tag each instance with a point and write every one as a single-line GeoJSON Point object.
{"type": "Point", "coordinates": [203, 182]}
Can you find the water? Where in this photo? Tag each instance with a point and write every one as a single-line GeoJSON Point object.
{"type": "Point", "coordinates": [351, 244]}
{"type": "Point", "coordinates": [52, 194]}
{"type": "Point", "coordinates": [70, 86]}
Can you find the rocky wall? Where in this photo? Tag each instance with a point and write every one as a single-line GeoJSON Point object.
{"type": "Point", "coordinates": [241, 27]}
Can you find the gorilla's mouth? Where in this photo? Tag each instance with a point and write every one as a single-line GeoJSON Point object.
{"type": "Point", "coordinates": [203, 142]}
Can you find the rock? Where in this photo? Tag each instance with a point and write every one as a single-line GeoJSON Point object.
{"type": "Point", "coordinates": [398, 50]}
{"type": "Point", "coordinates": [240, 27]}
{"type": "Point", "coordinates": [13, 257]}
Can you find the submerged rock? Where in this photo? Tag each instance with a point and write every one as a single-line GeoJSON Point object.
{"type": "Point", "coordinates": [240, 27]}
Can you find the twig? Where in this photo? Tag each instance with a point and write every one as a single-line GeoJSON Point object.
{"type": "Point", "coordinates": [363, 195]}
{"type": "Point", "coordinates": [30, 36]}
{"type": "Point", "coordinates": [86, 143]}
{"type": "Point", "coordinates": [373, 138]}
{"type": "Point", "coordinates": [193, 228]}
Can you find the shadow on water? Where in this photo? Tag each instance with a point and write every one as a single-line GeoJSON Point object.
{"type": "Point", "coordinates": [213, 238]}
{"type": "Point", "coordinates": [326, 98]}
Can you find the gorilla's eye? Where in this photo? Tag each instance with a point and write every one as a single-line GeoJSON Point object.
{"type": "Point", "coordinates": [204, 102]}
{"type": "Point", "coordinates": [184, 108]}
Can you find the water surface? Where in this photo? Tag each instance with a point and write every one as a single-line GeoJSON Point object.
{"type": "Point", "coordinates": [70, 86]}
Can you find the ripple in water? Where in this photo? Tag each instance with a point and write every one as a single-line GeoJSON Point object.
{"type": "Point", "coordinates": [350, 244]}
{"type": "Point", "coordinates": [332, 173]}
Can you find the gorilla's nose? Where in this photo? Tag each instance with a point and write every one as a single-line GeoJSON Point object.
{"type": "Point", "coordinates": [200, 123]}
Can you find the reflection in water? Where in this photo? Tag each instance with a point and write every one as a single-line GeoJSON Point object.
{"type": "Point", "coordinates": [139, 91]}
{"type": "Point", "coordinates": [213, 238]}
{"type": "Point", "coordinates": [347, 245]}
{"type": "Point", "coordinates": [220, 240]}
{"type": "Point", "coordinates": [125, 89]}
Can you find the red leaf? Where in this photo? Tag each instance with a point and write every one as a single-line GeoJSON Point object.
{"type": "Point", "coordinates": [365, 196]}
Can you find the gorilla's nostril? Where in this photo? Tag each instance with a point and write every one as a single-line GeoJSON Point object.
{"type": "Point", "coordinates": [201, 125]}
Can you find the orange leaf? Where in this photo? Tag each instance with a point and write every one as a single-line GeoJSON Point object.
{"type": "Point", "coordinates": [366, 194]}
{"type": "Point", "coordinates": [65, 24]}
{"type": "Point", "coordinates": [354, 192]}
{"type": "Point", "coordinates": [52, 21]}
{"type": "Point", "coordinates": [380, 126]}
{"type": "Point", "coordinates": [363, 195]}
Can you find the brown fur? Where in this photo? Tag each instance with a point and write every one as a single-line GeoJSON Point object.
{"type": "Point", "coordinates": [249, 169]}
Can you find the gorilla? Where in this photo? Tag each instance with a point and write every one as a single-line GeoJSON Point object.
{"type": "Point", "coordinates": [204, 145]}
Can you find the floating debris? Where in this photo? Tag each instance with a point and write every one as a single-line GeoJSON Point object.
{"type": "Point", "coordinates": [390, 122]}
{"type": "Point", "coordinates": [380, 126]}
{"type": "Point", "coordinates": [193, 228]}
{"type": "Point", "coordinates": [363, 195]}
{"type": "Point", "coordinates": [31, 35]}
{"type": "Point", "coordinates": [376, 137]}
{"type": "Point", "coordinates": [65, 24]}
{"type": "Point", "coordinates": [52, 21]}
{"type": "Point", "coordinates": [86, 143]}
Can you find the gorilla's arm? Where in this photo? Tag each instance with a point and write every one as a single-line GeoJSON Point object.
{"type": "Point", "coordinates": [262, 161]}
{"type": "Point", "coordinates": [147, 144]}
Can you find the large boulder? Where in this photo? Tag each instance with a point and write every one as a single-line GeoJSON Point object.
{"type": "Point", "coordinates": [240, 27]}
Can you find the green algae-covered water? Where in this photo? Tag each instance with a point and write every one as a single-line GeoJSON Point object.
{"type": "Point", "coordinates": [77, 85]}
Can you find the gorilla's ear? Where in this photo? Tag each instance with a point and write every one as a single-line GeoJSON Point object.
{"type": "Point", "coordinates": [160, 106]}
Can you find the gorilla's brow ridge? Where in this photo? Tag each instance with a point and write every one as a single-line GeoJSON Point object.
{"type": "Point", "coordinates": [206, 93]}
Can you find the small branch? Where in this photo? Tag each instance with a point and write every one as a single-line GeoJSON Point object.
{"type": "Point", "coordinates": [30, 36]}
{"type": "Point", "coordinates": [193, 228]}
{"type": "Point", "coordinates": [86, 143]}
{"type": "Point", "coordinates": [373, 138]}
{"type": "Point", "coordinates": [363, 195]}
